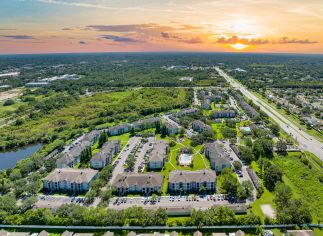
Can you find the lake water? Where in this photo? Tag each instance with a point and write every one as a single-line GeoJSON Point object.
{"type": "Point", "coordinates": [10, 158]}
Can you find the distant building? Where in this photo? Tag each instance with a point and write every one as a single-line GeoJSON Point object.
{"type": "Point", "coordinates": [105, 155]}
{"type": "Point", "coordinates": [119, 129]}
{"type": "Point", "coordinates": [207, 103]}
{"type": "Point", "coordinates": [199, 126]}
{"type": "Point", "coordinates": [191, 180]}
{"type": "Point", "coordinates": [223, 114]}
{"type": "Point", "coordinates": [187, 111]}
{"type": "Point", "coordinates": [171, 128]}
{"type": "Point", "coordinates": [137, 126]}
{"type": "Point", "coordinates": [71, 157]}
{"type": "Point", "coordinates": [215, 153]}
{"type": "Point", "coordinates": [67, 179]}
{"type": "Point", "coordinates": [157, 155]}
{"type": "Point", "coordinates": [146, 123]}
{"type": "Point", "coordinates": [251, 112]}
{"type": "Point", "coordinates": [138, 183]}
{"type": "Point", "coordinates": [37, 84]}
{"type": "Point", "coordinates": [190, 79]}
{"type": "Point", "coordinates": [91, 136]}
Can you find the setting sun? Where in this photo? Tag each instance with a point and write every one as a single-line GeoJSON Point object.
{"type": "Point", "coordinates": [239, 46]}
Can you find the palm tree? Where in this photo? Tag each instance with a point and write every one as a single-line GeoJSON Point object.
{"type": "Point", "coordinates": [202, 188]}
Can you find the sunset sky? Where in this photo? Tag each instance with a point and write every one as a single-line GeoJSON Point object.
{"type": "Point", "coordinates": [46, 26]}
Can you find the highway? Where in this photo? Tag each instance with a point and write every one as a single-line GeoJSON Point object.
{"type": "Point", "coordinates": [305, 141]}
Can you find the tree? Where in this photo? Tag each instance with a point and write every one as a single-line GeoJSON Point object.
{"type": "Point", "coordinates": [163, 131]}
{"type": "Point", "coordinates": [237, 165]}
{"type": "Point", "coordinates": [246, 154]}
{"type": "Point", "coordinates": [202, 189]}
{"type": "Point", "coordinates": [8, 102]}
{"type": "Point", "coordinates": [28, 203]}
{"type": "Point", "coordinates": [281, 147]}
{"type": "Point", "coordinates": [130, 162]}
{"type": "Point", "coordinates": [229, 183]}
{"type": "Point", "coordinates": [102, 139]}
{"type": "Point", "coordinates": [263, 147]}
{"type": "Point", "coordinates": [275, 129]}
{"type": "Point", "coordinates": [158, 129]}
{"type": "Point", "coordinates": [154, 197]}
{"type": "Point", "coordinates": [296, 213]}
{"type": "Point", "coordinates": [86, 155]}
{"type": "Point", "coordinates": [106, 195]}
{"type": "Point", "coordinates": [248, 142]}
{"type": "Point", "coordinates": [282, 195]}
{"type": "Point", "coordinates": [90, 196]}
{"type": "Point", "coordinates": [132, 131]}
{"type": "Point", "coordinates": [15, 175]}
{"type": "Point", "coordinates": [244, 190]}
{"type": "Point", "coordinates": [197, 140]}
{"type": "Point", "coordinates": [272, 175]}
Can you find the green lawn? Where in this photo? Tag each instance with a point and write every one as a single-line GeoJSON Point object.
{"type": "Point", "coordinates": [266, 198]}
{"type": "Point", "coordinates": [217, 130]}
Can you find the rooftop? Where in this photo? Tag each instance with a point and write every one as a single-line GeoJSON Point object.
{"type": "Point", "coordinates": [149, 179]}
{"type": "Point", "coordinates": [71, 175]}
{"type": "Point", "coordinates": [158, 151]}
{"type": "Point", "coordinates": [184, 176]}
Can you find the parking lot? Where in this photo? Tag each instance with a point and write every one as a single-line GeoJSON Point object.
{"type": "Point", "coordinates": [169, 202]}
{"type": "Point", "coordinates": [141, 153]}
{"type": "Point", "coordinates": [53, 202]}
{"type": "Point", "coordinates": [129, 149]}
{"type": "Point", "coordinates": [243, 176]}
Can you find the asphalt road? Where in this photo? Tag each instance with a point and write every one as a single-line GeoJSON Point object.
{"type": "Point", "coordinates": [305, 141]}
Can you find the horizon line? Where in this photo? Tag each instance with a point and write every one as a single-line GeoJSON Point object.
{"type": "Point", "coordinates": [161, 52]}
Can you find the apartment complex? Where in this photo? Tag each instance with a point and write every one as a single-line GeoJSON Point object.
{"type": "Point", "coordinates": [67, 179]}
{"type": "Point", "coordinates": [215, 153]}
{"type": "Point", "coordinates": [138, 183]}
{"type": "Point", "coordinates": [157, 155]}
{"type": "Point", "coordinates": [181, 180]}
{"type": "Point", "coordinates": [105, 155]}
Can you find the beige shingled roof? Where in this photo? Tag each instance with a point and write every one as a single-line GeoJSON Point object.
{"type": "Point", "coordinates": [158, 152]}
{"type": "Point", "coordinates": [182, 176]}
{"type": "Point", "coordinates": [149, 179]}
{"type": "Point", "coordinates": [71, 175]}
{"type": "Point", "coordinates": [106, 149]}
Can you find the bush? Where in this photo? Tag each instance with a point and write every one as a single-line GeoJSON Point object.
{"type": "Point", "coordinates": [9, 102]}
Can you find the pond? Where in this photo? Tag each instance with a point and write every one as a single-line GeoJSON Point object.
{"type": "Point", "coordinates": [9, 159]}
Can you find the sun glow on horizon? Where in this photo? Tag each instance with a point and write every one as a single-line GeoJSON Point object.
{"type": "Point", "coordinates": [238, 46]}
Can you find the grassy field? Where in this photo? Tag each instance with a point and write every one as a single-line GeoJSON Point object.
{"type": "Point", "coordinates": [217, 130]}
{"type": "Point", "coordinates": [85, 112]}
{"type": "Point", "coordinates": [304, 182]}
